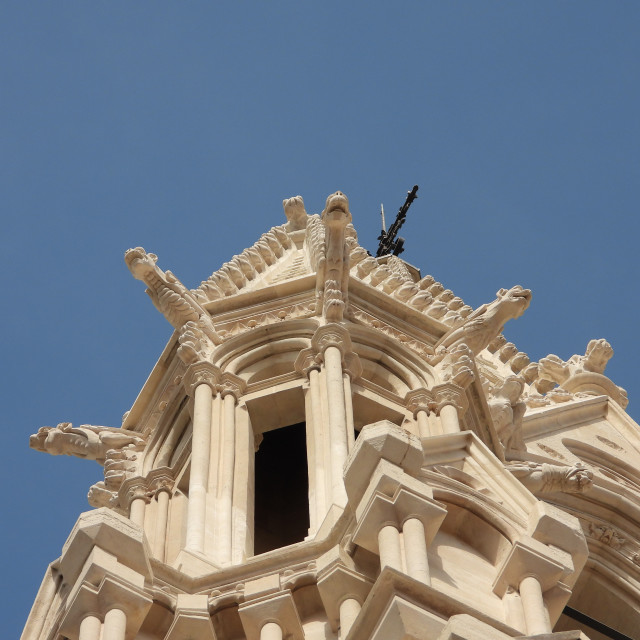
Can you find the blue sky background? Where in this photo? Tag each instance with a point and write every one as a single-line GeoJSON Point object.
{"type": "Point", "coordinates": [182, 126]}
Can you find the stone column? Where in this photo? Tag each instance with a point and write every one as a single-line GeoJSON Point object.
{"type": "Point", "coordinates": [389, 547]}
{"type": "Point", "coordinates": [419, 402]}
{"type": "Point", "coordinates": [342, 590]}
{"type": "Point", "coordinates": [532, 572]}
{"type": "Point", "coordinates": [451, 403]}
{"type": "Point", "coordinates": [349, 611]}
{"type": "Point", "coordinates": [271, 631]}
{"type": "Point", "coordinates": [138, 498]}
{"type": "Point", "coordinates": [201, 382]}
{"type": "Point", "coordinates": [90, 628]}
{"type": "Point", "coordinates": [162, 486]}
{"type": "Point", "coordinates": [415, 549]}
{"type": "Point", "coordinates": [332, 343]}
{"type": "Point", "coordinates": [535, 613]}
{"type": "Point", "coordinates": [308, 364]}
{"type": "Point", "coordinates": [273, 616]}
{"type": "Point", "coordinates": [115, 625]}
{"type": "Point", "coordinates": [231, 388]}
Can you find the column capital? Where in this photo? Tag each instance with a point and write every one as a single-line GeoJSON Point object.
{"type": "Point", "coordinates": [307, 360]}
{"type": "Point", "coordinates": [332, 335]}
{"type": "Point", "coordinates": [136, 488]}
{"type": "Point", "coordinates": [279, 608]}
{"type": "Point", "coordinates": [336, 583]}
{"type": "Point", "coordinates": [394, 510]}
{"type": "Point", "coordinates": [352, 366]}
{"type": "Point", "coordinates": [231, 384]}
{"type": "Point", "coordinates": [449, 394]}
{"type": "Point", "coordinates": [160, 479]}
{"type": "Point", "coordinates": [419, 400]}
{"type": "Point", "coordinates": [201, 372]}
{"type": "Point", "coordinates": [529, 559]}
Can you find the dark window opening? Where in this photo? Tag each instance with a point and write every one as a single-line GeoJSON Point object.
{"type": "Point", "coordinates": [281, 513]}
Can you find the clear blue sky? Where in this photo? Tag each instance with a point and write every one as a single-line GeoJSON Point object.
{"type": "Point", "coordinates": [181, 126]}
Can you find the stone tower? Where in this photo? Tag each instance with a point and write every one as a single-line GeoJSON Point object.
{"type": "Point", "coordinates": [333, 446]}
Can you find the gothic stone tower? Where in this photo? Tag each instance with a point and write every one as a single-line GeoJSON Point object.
{"type": "Point", "coordinates": [332, 446]}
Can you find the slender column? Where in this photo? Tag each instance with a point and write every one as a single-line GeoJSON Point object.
{"type": "Point", "coordinates": [162, 486]}
{"type": "Point", "coordinates": [115, 625]}
{"type": "Point", "coordinates": [319, 504]}
{"type": "Point", "coordinates": [535, 613]}
{"type": "Point", "coordinates": [348, 404]}
{"type": "Point", "coordinates": [271, 631]}
{"type": "Point", "coordinates": [415, 549]}
{"type": "Point", "coordinates": [231, 388]}
{"type": "Point", "coordinates": [349, 610]}
{"type": "Point", "coordinates": [423, 423]}
{"type": "Point", "coordinates": [90, 628]}
{"type": "Point", "coordinates": [202, 377]}
{"type": "Point", "coordinates": [389, 547]}
{"type": "Point", "coordinates": [226, 488]}
{"type": "Point", "coordinates": [337, 422]}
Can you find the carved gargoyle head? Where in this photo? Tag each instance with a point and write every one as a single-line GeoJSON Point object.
{"type": "Point", "coordinates": [516, 300]}
{"type": "Point", "coordinates": [60, 440]}
{"type": "Point", "coordinates": [140, 263]}
{"type": "Point", "coordinates": [295, 212]}
{"type": "Point", "coordinates": [336, 210]}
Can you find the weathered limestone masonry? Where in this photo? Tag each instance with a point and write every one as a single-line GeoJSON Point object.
{"type": "Point", "coordinates": [333, 446]}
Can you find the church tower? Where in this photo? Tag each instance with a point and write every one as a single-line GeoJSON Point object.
{"type": "Point", "coordinates": [333, 446]}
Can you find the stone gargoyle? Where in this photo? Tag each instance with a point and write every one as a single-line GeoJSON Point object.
{"type": "Point", "coordinates": [486, 322]}
{"type": "Point", "coordinates": [549, 478]}
{"type": "Point", "coordinates": [168, 294]}
{"type": "Point", "coordinates": [296, 214]}
{"type": "Point", "coordinates": [85, 441]}
{"type": "Point", "coordinates": [583, 374]}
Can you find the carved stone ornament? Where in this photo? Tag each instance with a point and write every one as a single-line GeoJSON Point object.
{"type": "Point", "coordinates": [169, 295]}
{"type": "Point", "coordinates": [332, 335]}
{"type": "Point", "coordinates": [457, 366]}
{"type": "Point", "coordinates": [507, 412]}
{"type": "Point", "coordinates": [486, 322]}
{"type": "Point", "coordinates": [295, 212]}
{"type": "Point", "coordinates": [201, 373]}
{"type": "Point", "coordinates": [334, 268]}
{"type": "Point", "coordinates": [136, 488]}
{"type": "Point", "coordinates": [606, 534]}
{"type": "Point", "coordinates": [449, 394]}
{"type": "Point", "coordinates": [419, 400]}
{"type": "Point", "coordinates": [85, 441]}
{"type": "Point", "coordinates": [548, 478]}
{"type": "Point", "coordinates": [581, 374]}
